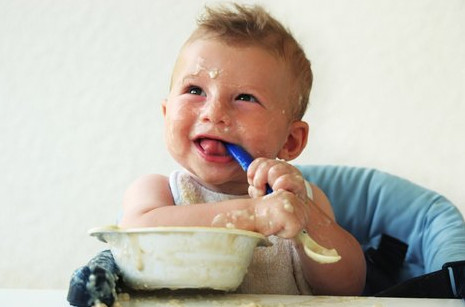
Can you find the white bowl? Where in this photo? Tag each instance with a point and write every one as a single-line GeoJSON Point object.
{"type": "Point", "coordinates": [181, 257]}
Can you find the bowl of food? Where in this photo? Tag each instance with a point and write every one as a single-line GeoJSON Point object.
{"type": "Point", "coordinates": [181, 257]}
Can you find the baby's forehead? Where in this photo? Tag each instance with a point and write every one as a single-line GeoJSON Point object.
{"type": "Point", "coordinates": [196, 52]}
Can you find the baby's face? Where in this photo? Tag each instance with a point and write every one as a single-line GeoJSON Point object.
{"type": "Point", "coordinates": [224, 93]}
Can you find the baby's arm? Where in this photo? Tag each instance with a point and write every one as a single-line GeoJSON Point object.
{"type": "Point", "coordinates": [346, 277]}
{"type": "Point", "coordinates": [148, 202]}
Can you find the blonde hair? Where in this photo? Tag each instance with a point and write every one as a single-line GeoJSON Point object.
{"type": "Point", "coordinates": [241, 24]}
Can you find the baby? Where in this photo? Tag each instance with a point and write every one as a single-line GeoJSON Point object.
{"type": "Point", "coordinates": [242, 78]}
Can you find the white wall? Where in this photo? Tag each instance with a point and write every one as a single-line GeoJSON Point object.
{"type": "Point", "coordinates": [80, 90]}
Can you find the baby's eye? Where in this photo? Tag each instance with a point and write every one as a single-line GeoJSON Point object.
{"type": "Point", "coordinates": [247, 97]}
{"type": "Point", "coordinates": [195, 90]}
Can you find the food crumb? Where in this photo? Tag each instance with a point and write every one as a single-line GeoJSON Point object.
{"type": "Point", "coordinates": [288, 206]}
{"type": "Point", "coordinates": [219, 220]}
{"type": "Point", "coordinates": [214, 73]}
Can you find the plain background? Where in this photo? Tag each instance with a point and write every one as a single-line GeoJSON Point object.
{"type": "Point", "coordinates": [81, 84]}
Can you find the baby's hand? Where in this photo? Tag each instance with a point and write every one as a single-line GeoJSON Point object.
{"type": "Point", "coordinates": [279, 175]}
{"type": "Point", "coordinates": [281, 213]}
{"type": "Point", "coordinates": [284, 212]}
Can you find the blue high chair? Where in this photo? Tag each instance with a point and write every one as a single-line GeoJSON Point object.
{"type": "Point", "coordinates": [371, 204]}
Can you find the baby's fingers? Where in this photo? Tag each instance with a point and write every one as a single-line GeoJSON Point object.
{"type": "Point", "coordinates": [257, 173]}
{"type": "Point", "coordinates": [292, 182]}
{"type": "Point", "coordinates": [254, 192]}
{"type": "Point", "coordinates": [279, 175]}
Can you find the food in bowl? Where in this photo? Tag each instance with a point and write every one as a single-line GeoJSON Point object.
{"type": "Point", "coordinates": [181, 257]}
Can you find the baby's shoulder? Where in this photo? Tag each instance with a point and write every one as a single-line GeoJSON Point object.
{"type": "Point", "coordinates": [150, 184]}
{"type": "Point", "coordinates": [151, 179]}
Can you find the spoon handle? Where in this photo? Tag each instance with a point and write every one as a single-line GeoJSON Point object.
{"type": "Point", "coordinates": [243, 158]}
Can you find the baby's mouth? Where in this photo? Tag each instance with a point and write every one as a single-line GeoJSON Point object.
{"type": "Point", "coordinates": [212, 147]}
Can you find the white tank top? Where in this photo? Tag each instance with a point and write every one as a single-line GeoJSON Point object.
{"type": "Point", "coordinates": [275, 269]}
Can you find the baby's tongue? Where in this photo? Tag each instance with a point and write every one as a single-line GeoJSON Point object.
{"type": "Point", "coordinates": [213, 147]}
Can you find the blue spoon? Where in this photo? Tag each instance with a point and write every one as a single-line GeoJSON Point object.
{"type": "Point", "coordinates": [311, 247]}
{"type": "Point", "coordinates": [243, 158]}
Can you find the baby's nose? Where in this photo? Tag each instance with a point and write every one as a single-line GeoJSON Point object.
{"type": "Point", "coordinates": [216, 112]}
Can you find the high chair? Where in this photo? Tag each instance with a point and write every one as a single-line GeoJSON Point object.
{"type": "Point", "coordinates": [420, 224]}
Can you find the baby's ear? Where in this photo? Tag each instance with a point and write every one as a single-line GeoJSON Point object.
{"type": "Point", "coordinates": [163, 107]}
{"type": "Point", "coordinates": [296, 141]}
